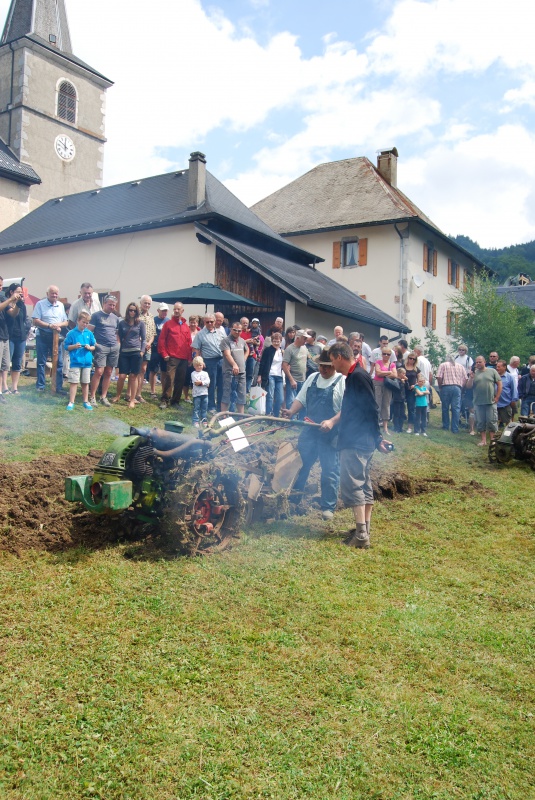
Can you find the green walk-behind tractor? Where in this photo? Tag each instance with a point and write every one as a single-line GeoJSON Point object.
{"type": "Point", "coordinates": [193, 489]}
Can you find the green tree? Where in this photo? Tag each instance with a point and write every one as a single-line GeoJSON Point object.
{"type": "Point", "coordinates": [488, 321]}
{"type": "Point", "coordinates": [435, 349]}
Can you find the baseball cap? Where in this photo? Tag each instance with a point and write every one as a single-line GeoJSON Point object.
{"type": "Point", "coordinates": [163, 307]}
{"type": "Point", "coordinates": [321, 338]}
{"type": "Point", "coordinates": [255, 320]}
{"type": "Point", "coordinates": [301, 332]}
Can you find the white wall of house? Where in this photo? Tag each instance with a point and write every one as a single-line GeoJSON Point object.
{"type": "Point", "coordinates": [14, 202]}
{"type": "Point", "coordinates": [324, 322]}
{"type": "Point", "coordinates": [379, 280]}
{"type": "Point", "coordinates": [139, 263]}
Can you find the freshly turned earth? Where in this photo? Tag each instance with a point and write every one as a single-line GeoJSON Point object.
{"type": "Point", "coordinates": [35, 515]}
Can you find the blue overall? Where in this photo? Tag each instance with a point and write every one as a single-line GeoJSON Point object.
{"type": "Point", "coordinates": [314, 444]}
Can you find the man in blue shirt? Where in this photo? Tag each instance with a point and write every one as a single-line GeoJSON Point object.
{"type": "Point", "coordinates": [207, 344]}
{"type": "Point", "coordinates": [508, 396]}
{"type": "Point", "coordinates": [49, 316]}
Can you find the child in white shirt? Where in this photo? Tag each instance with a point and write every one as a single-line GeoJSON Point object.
{"type": "Point", "coordinates": [200, 383]}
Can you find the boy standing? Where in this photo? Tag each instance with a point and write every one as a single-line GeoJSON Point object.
{"type": "Point", "coordinates": [420, 406]}
{"type": "Point", "coordinates": [201, 381]}
{"type": "Point", "coordinates": [80, 343]}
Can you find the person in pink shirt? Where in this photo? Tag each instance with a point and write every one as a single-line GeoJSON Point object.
{"type": "Point", "coordinates": [384, 369]}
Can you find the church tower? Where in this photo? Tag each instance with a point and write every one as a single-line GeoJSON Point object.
{"type": "Point", "coordinates": [52, 108]}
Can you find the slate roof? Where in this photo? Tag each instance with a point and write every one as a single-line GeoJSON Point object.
{"type": "Point", "coordinates": [154, 202]}
{"type": "Point", "coordinates": [341, 194]}
{"type": "Point", "coordinates": [302, 282]}
{"type": "Point", "coordinates": [15, 170]}
{"type": "Point", "coordinates": [333, 195]}
{"type": "Point", "coordinates": [40, 17]}
{"type": "Point", "coordinates": [36, 20]}
{"type": "Point", "coordinates": [521, 295]}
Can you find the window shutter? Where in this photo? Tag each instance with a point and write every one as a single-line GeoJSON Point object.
{"type": "Point", "coordinates": [457, 276]}
{"type": "Point", "coordinates": [434, 316]}
{"type": "Point", "coordinates": [426, 258]}
{"type": "Point", "coordinates": [465, 279]}
{"type": "Point", "coordinates": [449, 270]}
{"type": "Point", "coordinates": [448, 323]}
{"type": "Point", "coordinates": [424, 313]}
{"type": "Point", "coordinates": [435, 263]}
{"type": "Point", "coordinates": [363, 252]}
{"type": "Point", "coordinates": [337, 247]}
{"type": "Point", "coordinates": [456, 322]}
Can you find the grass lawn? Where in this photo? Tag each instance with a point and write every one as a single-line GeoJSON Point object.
{"type": "Point", "coordinates": [288, 667]}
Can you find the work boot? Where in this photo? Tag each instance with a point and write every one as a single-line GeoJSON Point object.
{"type": "Point", "coordinates": [359, 537]}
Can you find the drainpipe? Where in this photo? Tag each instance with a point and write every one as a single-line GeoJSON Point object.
{"type": "Point", "coordinates": [401, 260]}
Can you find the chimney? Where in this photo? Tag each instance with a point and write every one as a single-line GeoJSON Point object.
{"type": "Point", "coordinates": [196, 180]}
{"type": "Point", "coordinates": [387, 166]}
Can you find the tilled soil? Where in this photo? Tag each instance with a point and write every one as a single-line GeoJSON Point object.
{"type": "Point", "coordinates": [35, 515]}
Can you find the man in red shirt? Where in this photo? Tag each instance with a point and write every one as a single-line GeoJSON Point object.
{"type": "Point", "coordinates": [174, 345]}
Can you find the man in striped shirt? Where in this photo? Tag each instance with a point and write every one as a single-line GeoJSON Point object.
{"type": "Point", "coordinates": [451, 378]}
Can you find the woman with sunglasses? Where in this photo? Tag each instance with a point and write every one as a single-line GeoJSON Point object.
{"type": "Point", "coordinates": [133, 338]}
{"type": "Point", "coordinates": [383, 368]}
{"type": "Point", "coordinates": [412, 372]}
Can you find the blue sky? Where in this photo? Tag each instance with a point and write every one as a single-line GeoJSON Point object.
{"type": "Point", "coordinates": [269, 89]}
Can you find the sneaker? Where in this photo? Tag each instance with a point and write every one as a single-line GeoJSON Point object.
{"type": "Point", "coordinates": [40, 388]}
{"type": "Point", "coordinates": [70, 406]}
{"type": "Point", "coordinates": [424, 434]}
{"type": "Point", "coordinates": [188, 400]}
{"type": "Point", "coordinates": [93, 400]}
{"type": "Point", "coordinates": [204, 422]}
{"type": "Point", "coordinates": [327, 514]}
{"type": "Point", "coordinates": [163, 405]}
{"type": "Point", "coordinates": [105, 402]}
{"type": "Point", "coordinates": [196, 425]}
{"type": "Point", "coordinates": [88, 406]}
{"type": "Point", "coordinates": [409, 430]}
{"type": "Point", "coordinates": [416, 434]}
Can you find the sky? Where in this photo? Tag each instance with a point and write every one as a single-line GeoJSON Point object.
{"type": "Point", "coordinates": [268, 89]}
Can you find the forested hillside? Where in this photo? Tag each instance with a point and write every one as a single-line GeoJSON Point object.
{"type": "Point", "coordinates": [507, 261]}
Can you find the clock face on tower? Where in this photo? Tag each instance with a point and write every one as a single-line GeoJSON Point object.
{"type": "Point", "coordinates": [64, 147]}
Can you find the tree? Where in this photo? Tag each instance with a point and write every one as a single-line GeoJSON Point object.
{"type": "Point", "coordinates": [487, 321]}
{"type": "Point", "coordinates": [435, 349]}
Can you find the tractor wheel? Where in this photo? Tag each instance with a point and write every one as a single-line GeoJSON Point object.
{"type": "Point", "coordinates": [203, 514]}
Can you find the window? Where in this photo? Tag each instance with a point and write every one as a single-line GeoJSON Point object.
{"type": "Point", "coordinates": [468, 279]}
{"type": "Point", "coordinates": [452, 321]}
{"type": "Point", "coordinates": [67, 102]}
{"type": "Point", "coordinates": [350, 253]}
{"type": "Point", "coordinates": [430, 258]}
{"type": "Point", "coordinates": [429, 315]}
{"type": "Point", "coordinates": [454, 273]}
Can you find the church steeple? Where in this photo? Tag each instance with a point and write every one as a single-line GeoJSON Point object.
{"type": "Point", "coordinates": [45, 19]}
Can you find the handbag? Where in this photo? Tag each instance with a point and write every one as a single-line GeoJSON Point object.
{"type": "Point", "coordinates": [257, 400]}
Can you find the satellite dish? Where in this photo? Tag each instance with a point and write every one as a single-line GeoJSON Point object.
{"type": "Point", "coordinates": [418, 281]}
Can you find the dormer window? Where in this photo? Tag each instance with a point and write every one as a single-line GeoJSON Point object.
{"type": "Point", "coordinates": [67, 102]}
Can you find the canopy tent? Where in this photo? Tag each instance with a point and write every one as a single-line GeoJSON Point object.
{"type": "Point", "coordinates": [203, 293]}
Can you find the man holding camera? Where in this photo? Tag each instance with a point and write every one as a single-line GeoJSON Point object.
{"type": "Point", "coordinates": [359, 435]}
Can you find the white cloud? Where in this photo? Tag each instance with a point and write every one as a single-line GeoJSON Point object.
{"type": "Point", "coordinates": [478, 186]}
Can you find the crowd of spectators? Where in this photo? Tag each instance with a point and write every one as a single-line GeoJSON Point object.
{"type": "Point", "coordinates": [480, 393]}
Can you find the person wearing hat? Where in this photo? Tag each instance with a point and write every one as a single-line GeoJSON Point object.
{"type": "Point", "coordinates": [294, 365]}
{"type": "Point", "coordinates": [156, 363]}
{"type": "Point", "coordinates": [321, 395]}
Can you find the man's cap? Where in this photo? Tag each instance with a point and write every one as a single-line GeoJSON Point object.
{"type": "Point", "coordinates": [321, 338]}
{"type": "Point", "coordinates": [255, 320]}
{"type": "Point", "coordinates": [163, 307]}
{"type": "Point", "coordinates": [301, 332]}
{"type": "Point", "coordinates": [323, 357]}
